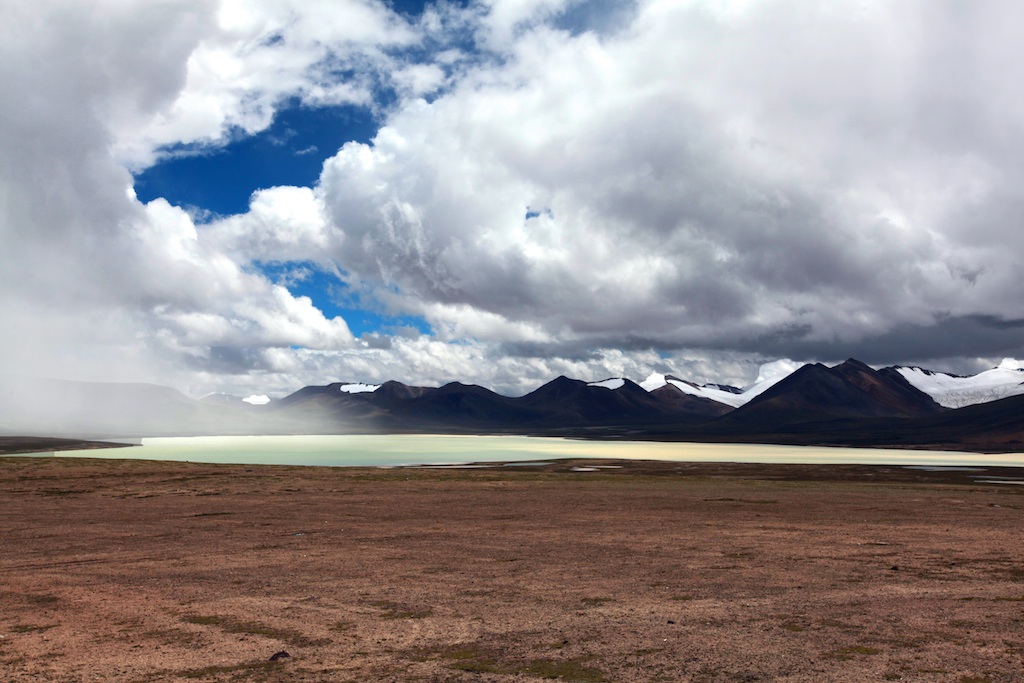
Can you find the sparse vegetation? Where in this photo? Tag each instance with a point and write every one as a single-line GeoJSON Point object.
{"type": "Point", "coordinates": [63, 492]}
{"type": "Point", "coordinates": [248, 669]}
{"type": "Point", "coordinates": [849, 652]}
{"type": "Point", "coordinates": [392, 610]}
{"type": "Point", "coordinates": [42, 600]}
{"type": "Point", "coordinates": [752, 501]}
{"type": "Point", "coordinates": [596, 602]}
{"type": "Point", "coordinates": [33, 599]}
{"type": "Point", "coordinates": [173, 636]}
{"type": "Point", "coordinates": [231, 625]}
{"type": "Point", "coordinates": [565, 670]}
{"type": "Point", "coordinates": [32, 628]}
{"type": "Point", "coordinates": [474, 659]}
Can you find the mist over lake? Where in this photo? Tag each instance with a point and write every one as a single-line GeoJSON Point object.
{"type": "Point", "coordinates": [395, 450]}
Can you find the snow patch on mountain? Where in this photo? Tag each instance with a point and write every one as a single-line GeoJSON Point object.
{"type": "Point", "coordinates": [953, 391]}
{"type": "Point", "coordinates": [358, 388]}
{"type": "Point", "coordinates": [655, 380]}
{"type": "Point", "coordinates": [257, 400]}
{"type": "Point", "coordinates": [768, 375]}
{"type": "Point", "coordinates": [726, 397]}
{"type": "Point", "coordinates": [614, 383]}
{"type": "Point", "coordinates": [772, 373]}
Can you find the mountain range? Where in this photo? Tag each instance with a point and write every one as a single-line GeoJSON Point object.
{"type": "Point", "coordinates": [848, 404]}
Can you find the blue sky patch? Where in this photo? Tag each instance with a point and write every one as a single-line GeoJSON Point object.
{"type": "Point", "coordinates": [334, 298]}
{"type": "Point", "coordinates": [290, 152]}
{"type": "Point", "coordinates": [408, 8]}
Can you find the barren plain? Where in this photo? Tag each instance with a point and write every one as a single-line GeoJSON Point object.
{"type": "Point", "coordinates": [125, 570]}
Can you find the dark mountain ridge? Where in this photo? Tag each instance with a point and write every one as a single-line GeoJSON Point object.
{"type": "Point", "coordinates": [563, 403]}
{"type": "Point", "coordinates": [816, 393]}
{"type": "Point", "coordinates": [848, 404]}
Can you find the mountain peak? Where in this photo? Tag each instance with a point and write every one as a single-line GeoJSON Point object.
{"type": "Point", "coordinates": [655, 380]}
{"type": "Point", "coordinates": [848, 390]}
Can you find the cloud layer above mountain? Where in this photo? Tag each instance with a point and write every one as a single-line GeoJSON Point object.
{"type": "Point", "coordinates": [582, 187]}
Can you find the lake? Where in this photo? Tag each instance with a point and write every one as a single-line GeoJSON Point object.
{"type": "Point", "coordinates": [410, 449]}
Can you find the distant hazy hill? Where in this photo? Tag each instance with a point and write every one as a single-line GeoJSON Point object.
{"type": "Point", "coordinates": [92, 409]}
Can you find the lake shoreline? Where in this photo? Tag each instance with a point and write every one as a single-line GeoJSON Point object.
{"type": "Point", "coordinates": [14, 444]}
{"type": "Point", "coordinates": [387, 450]}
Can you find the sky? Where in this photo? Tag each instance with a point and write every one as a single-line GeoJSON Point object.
{"type": "Point", "coordinates": [251, 196]}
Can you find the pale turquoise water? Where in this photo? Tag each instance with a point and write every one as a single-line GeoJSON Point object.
{"type": "Point", "coordinates": [392, 450]}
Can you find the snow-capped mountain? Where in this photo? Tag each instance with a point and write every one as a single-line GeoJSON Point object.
{"type": "Point", "coordinates": [788, 403]}
{"type": "Point", "coordinates": [358, 388]}
{"type": "Point", "coordinates": [949, 391]}
{"type": "Point", "coordinates": [953, 391]}
{"type": "Point", "coordinates": [769, 375]}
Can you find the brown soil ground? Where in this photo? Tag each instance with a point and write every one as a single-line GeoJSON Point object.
{"type": "Point", "coordinates": [141, 571]}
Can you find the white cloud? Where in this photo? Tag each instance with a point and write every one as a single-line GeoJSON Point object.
{"type": "Point", "coordinates": [257, 53]}
{"type": "Point", "coordinates": [93, 284]}
{"type": "Point", "coordinates": [282, 224]}
{"type": "Point", "coordinates": [669, 177]}
{"type": "Point", "coordinates": [506, 20]}
{"type": "Point", "coordinates": [457, 322]}
{"type": "Point", "coordinates": [418, 80]}
{"type": "Point", "coordinates": [701, 184]}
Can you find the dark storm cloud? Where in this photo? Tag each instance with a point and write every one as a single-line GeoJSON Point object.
{"type": "Point", "coordinates": [955, 338]}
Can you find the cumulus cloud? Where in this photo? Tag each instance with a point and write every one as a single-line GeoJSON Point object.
{"type": "Point", "coordinates": [557, 187]}
{"type": "Point", "coordinates": [93, 283]}
{"type": "Point", "coordinates": [253, 54]}
{"type": "Point", "coordinates": [282, 224]}
{"type": "Point", "coordinates": [700, 186]}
